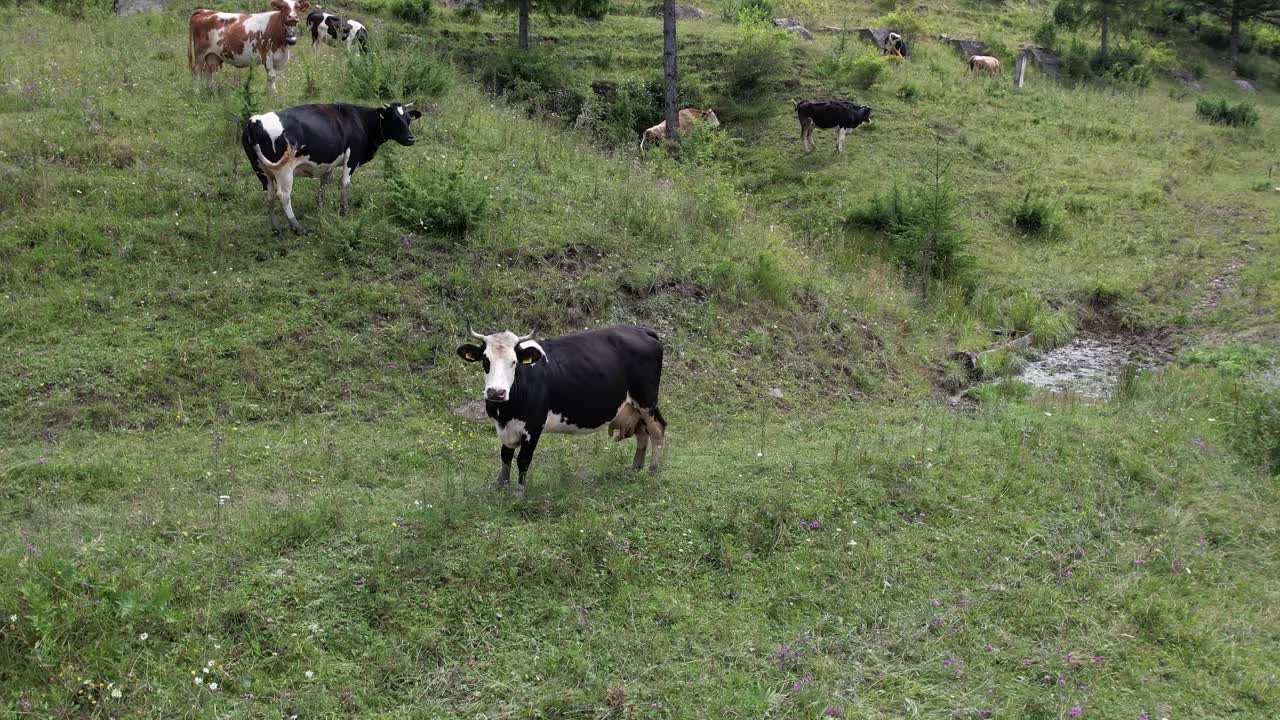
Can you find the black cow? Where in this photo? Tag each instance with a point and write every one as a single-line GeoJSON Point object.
{"type": "Point", "coordinates": [572, 384]}
{"type": "Point", "coordinates": [894, 44]}
{"type": "Point", "coordinates": [317, 141]}
{"type": "Point", "coordinates": [826, 115]}
{"type": "Point", "coordinates": [332, 29]}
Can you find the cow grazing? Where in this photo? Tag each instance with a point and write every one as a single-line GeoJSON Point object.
{"type": "Point", "coordinates": [826, 115]}
{"type": "Point", "coordinates": [984, 63]}
{"type": "Point", "coordinates": [242, 40]}
{"type": "Point", "coordinates": [685, 122]}
{"type": "Point", "coordinates": [333, 29]}
{"type": "Point", "coordinates": [894, 44]}
{"type": "Point", "coordinates": [317, 141]}
{"type": "Point", "coordinates": [572, 384]}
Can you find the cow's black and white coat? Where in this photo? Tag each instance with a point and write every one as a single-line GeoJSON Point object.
{"type": "Point", "coordinates": [329, 28]}
{"type": "Point", "coordinates": [571, 384]}
{"type": "Point", "coordinates": [318, 141]}
{"type": "Point", "coordinates": [829, 114]}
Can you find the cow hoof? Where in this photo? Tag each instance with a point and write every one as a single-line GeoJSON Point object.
{"type": "Point", "coordinates": [518, 492]}
{"type": "Point", "coordinates": [653, 471]}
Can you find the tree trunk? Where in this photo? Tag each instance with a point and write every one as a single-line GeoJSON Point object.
{"type": "Point", "coordinates": [669, 68]}
{"type": "Point", "coordinates": [524, 24]}
{"type": "Point", "coordinates": [1235, 34]}
{"type": "Point", "coordinates": [1106, 31]}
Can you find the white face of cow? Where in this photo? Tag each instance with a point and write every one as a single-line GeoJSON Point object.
{"type": "Point", "coordinates": [499, 354]}
{"type": "Point", "coordinates": [292, 10]}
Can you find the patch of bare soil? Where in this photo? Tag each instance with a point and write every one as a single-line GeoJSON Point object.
{"type": "Point", "coordinates": [1222, 283]}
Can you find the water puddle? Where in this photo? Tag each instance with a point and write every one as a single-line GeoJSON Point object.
{"type": "Point", "coordinates": [1088, 366]}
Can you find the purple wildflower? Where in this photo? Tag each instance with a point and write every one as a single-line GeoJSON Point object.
{"type": "Point", "coordinates": [1068, 658]}
{"type": "Point", "coordinates": [1028, 662]}
{"type": "Point", "coordinates": [747, 556]}
{"type": "Point", "coordinates": [1048, 678]}
{"type": "Point", "coordinates": [1144, 716]}
{"type": "Point", "coordinates": [936, 603]}
{"type": "Point", "coordinates": [1076, 711]}
{"type": "Point", "coordinates": [1139, 561]}
{"type": "Point", "coordinates": [1067, 573]}
{"type": "Point", "coordinates": [988, 648]}
{"type": "Point", "coordinates": [833, 712]}
{"type": "Point", "coordinates": [1097, 659]}
{"type": "Point", "coordinates": [984, 713]}
{"type": "Point", "coordinates": [1062, 681]}
{"type": "Point", "coordinates": [949, 662]}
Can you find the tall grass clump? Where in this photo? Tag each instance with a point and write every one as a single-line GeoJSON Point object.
{"type": "Point", "coordinates": [436, 200]}
{"type": "Point", "coordinates": [246, 101]}
{"type": "Point", "coordinates": [1069, 14]}
{"type": "Point", "coordinates": [1035, 215]}
{"type": "Point", "coordinates": [760, 58]}
{"type": "Point", "coordinates": [842, 71]}
{"type": "Point", "coordinates": [413, 11]}
{"type": "Point", "coordinates": [616, 115]}
{"type": "Point", "coordinates": [746, 12]}
{"type": "Point", "coordinates": [382, 75]}
{"type": "Point", "coordinates": [1221, 112]}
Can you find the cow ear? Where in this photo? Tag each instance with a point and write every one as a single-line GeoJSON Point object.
{"type": "Point", "coordinates": [415, 114]}
{"type": "Point", "coordinates": [529, 354]}
{"type": "Point", "coordinates": [470, 353]}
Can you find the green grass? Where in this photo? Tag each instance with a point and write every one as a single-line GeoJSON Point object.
{"type": "Point", "coordinates": [219, 446]}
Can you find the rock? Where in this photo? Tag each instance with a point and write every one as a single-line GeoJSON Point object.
{"type": "Point", "coordinates": [1245, 85]}
{"type": "Point", "coordinates": [874, 36]}
{"type": "Point", "coordinates": [794, 26]}
{"type": "Point", "coordinates": [775, 393]}
{"type": "Point", "coordinates": [137, 7]}
{"type": "Point", "coordinates": [463, 6]}
{"type": "Point", "coordinates": [472, 410]}
{"type": "Point", "coordinates": [965, 47]}
{"type": "Point", "coordinates": [1186, 78]}
{"type": "Point", "coordinates": [1043, 59]}
{"type": "Point", "coordinates": [830, 29]}
{"type": "Point", "coordinates": [682, 11]}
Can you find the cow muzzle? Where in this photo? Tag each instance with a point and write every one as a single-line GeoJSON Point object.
{"type": "Point", "coordinates": [495, 394]}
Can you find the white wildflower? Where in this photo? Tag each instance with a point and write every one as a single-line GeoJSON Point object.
{"type": "Point", "coordinates": [309, 674]}
{"type": "Point", "coordinates": [213, 686]}
{"type": "Point", "coordinates": [199, 680]}
{"type": "Point", "coordinates": [117, 694]}
{"type": "Point", "coordinates": [13, 618]}
{"type": "Point", "coordinates": [143, 637]}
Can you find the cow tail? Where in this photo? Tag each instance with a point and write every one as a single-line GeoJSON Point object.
{"type": "Point", "coordinates": [657, 415]}
{"type": "Point", "coordinates": [191, 43]}
{"type": "Point", "coordinates": [970, 62]}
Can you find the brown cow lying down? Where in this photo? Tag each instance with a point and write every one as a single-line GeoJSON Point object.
{"type": "Point", "coordinates": [687, 116]}
{"type": "Point", "coordinates": [984, 63]}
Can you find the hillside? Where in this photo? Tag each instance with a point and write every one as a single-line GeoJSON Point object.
{"type": "Point", "coordinates": [230, 458]}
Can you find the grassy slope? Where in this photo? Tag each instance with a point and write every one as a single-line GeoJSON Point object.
{"type": "Point", "coordinates": [166, 351]}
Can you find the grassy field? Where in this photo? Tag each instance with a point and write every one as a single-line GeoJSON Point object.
{"type": "Point", "coordinates": [233, 487]}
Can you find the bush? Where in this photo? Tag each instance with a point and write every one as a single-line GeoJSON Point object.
{"type": "Point", "coordinates": [1075, 62]}
{"type": "Point", "coordinates": [1248, 69]}
{"type": "Point", "coordinates": [591, 9]}
{"type": "Point", "coordinates": [1125, 64]}
{"type": "Point", "coordinates": [707, 147]}
{"type": "Point", "coordinates": [533, 71]}
{"type": "Point", "coordinates": [439, 201]}
{"type": "Point", "coordinates": [1196, 67]}
{"type": "Point", "coordinates": [841, 71]}
{"type": "Point", "coordinates": [762, 55]}
{"type": "Point", "coordinates": [746, 12]}
{"type": "Point", "coordinates": [904, 22]}
{"type": "Point", "coordinates": [1068, 14]}
{"type": "Point", "coordinates": [617, 117]}
{"type": "Point", "coordinates": [380, 75]}
{"type": "Point", "coordinates": [1047, 35]}
{"type": "Point", "coordinates": [868, 69]}
{"type": "Point", "coordinates": [78, 9]}
{"type": "Point", "coordinates": [413, 11]}
{"type": "Point", "coordinates": [908, 92]}
{"type": "Point", "coordinates": [1035, 215]}
{"type": "Point", "coordinates": [1221, 112]}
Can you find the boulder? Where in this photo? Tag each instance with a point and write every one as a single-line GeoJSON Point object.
{"type": "Point", "coordinates": [137, 7]}
{"type": "Point", "coordinates": [875, 36]}
{"type": "Point", "coordinates": [462, 6]}
{"type": "Point", "coordinates": [1043, 59]}
{"type": "Point", "coordinates": [682, 11]}
{"type": "Point", "coordinates": [794, 26]}
{"type": "Point", "coordinates": [966, 48]}
{"type": "Point", "coordinates": [1186, 78]}
{"type": "Point", "coordinates": [1245, 85]}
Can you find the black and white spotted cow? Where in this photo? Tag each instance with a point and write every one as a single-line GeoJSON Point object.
{"type": "Point", "coordinates": [571, 384]}
{"type": "Point", "coordinates": [829, 114]}
{"type": "Point", "coordinates": [318, 141]}
{"type": "Point", "coordinates": [329, 28]}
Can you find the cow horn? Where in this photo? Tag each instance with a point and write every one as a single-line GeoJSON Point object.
{"type": "Point", "coordinates": [522, 338]}
{"type": "Point", "coordinates": [473, 333]}
{"type": "Point", "coordinates": [407, 105]}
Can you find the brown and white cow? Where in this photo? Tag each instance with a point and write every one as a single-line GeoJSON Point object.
{"type": "Point", "coordinates": [243, 40]}
{"type": "Point", "coordinates": [984, 63]}
{"type": "Point", "coordinates": [685, 121]}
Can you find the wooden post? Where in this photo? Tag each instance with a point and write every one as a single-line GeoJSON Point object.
{"type": "Point", "coordinates": [1021, 75]}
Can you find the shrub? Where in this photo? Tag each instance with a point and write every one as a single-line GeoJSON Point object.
{"type": "Point", "coordinates": [439, 200]}
{"type": "Point", "coordinates": [746, 12]}
{"type": "Point", "coordinates": [1075, 62]}
{"type": "Point", "coordinates": [370, 75]}
{"type": "Point", "coordinates": [413, 11]}
{"type": "Point", "coordinates": [1047, 35]}
{"type": "Point", "coordinates": [770, 280]}
{"type": "Point", "coordinates": [246, 101]}
{"type": "Point", "coordinates": [707, 147]}
{"type": "Point", "coordinates": [1221, 112]}
{"type": "Point", "coordinates": [78, 9]}
{"type": "Point", "coordinates": [908, 92]}
{"type": "Point", "coordinates": [618, 116]}
{"type": "Point", "coordinates": [424, 76]}
{"type": "Point", "coordinates": [904, 22]}
{"type": "Point", "coordinates": [1196, 67]}
{"type": "Point", "coordinates": [1068, 14]}
{"type": "Point", "coordinates": [868, 69]}
{"type": "Point", "coordinates": [535, 69]}
{"type": "Point", "coordinates": [1125, 64]}
{"type": "Point", "coordinates": [591, 9]}
{"type": "Point", "coordinates": [380, 75]}
{"type": "Point", "coordinates": [761, 56]}
{"type": "Point", "coordinates": [1248, 69]}
{"type": "Point", "coordinates": [1035, 215]}
{"type": "Point", "coordinates": [841, 71]}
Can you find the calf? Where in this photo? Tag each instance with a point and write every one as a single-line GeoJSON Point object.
{"type": "Point", "coordinates": [317, 141]}
{"type": "Point", "coordinates": [571, 384]}
{"type": "Point", "coordinates": [826, 115]}
{"type": "Point", "coordinates": [894, 44]}
{"type": "Point", "coordinates": [333, 29]}
{"type": "Point", "coordinates": [684, 121]}
{"type": "Point", "coordinates": [242, 40]}
{"type": "Point", "coordinates": [984, 63]}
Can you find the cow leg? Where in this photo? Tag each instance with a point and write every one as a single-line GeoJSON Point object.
{"type": "Point", "coordinates": [840, 140]}
{"type": "Point", "coordinates": [656, 428]}
{"type": "Point", "coordinates": [269, 190]}
{"type": "Point", "coordinates": [522, 462]}
{"type": "Point", "coordinates": [324, 181]}
{"type": "Point", "coordinates": [284, 192]}
{"type": "Point", "coordinates": [345, 203]}
{"type": "Point", "coordinates": [504, 475]}
{"type": "Point", "coordinates": [642, 444]}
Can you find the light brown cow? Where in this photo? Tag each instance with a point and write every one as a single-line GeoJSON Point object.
{"type": "Point", "coordinates": [686, 118]}
{"type": "Point", "coordinates": [984, 63]}
{"type": "Point", "coordinates": [243, 40]}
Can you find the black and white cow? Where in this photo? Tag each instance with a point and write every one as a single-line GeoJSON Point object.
{"type": "Point", "coordinates": [317, 141]}
{"type": "Point", "coordinates": [329, 28]}
{"type": "Point", "coordinates": [571, 384]}
{"type": "Point", "coordinates": [826, 115]}
{"type": "Point", "coordinates": [894, 44]}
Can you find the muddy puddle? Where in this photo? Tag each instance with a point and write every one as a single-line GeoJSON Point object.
{"type": "Point", "coordinates": [1088, 366]}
